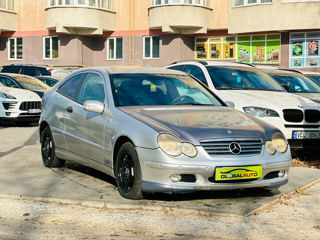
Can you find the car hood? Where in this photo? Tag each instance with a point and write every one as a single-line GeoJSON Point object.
{"type": "Point", "coordinates": [21, 94]}
{"type": "Point", "coordinates": [265, 99]}
{"type": "Point", "coordinates": [194, 123]}
{"type": "Point", "coordinates": [312, 96]}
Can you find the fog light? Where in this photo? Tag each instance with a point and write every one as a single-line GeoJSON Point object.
{"type": "Point", "coordinates": [281, 173]}
{"type": "Point", "coordinates": [175, 178]}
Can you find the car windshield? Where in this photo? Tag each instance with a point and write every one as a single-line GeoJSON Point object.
{"type": "Point", "coordinates": [157, 89]}
{"type": "Point", "coordinates": [296, 83]}
{"type": "Point", "coordinates": [241, 78]}
{"type": "Point", "coordinates": [31, 83]}
{"type": "Point", "coordinates": [315, 78]}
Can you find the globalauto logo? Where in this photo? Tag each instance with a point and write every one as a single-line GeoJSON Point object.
{"type": "Point", "coordinates": [235, 148]}
{"type": "Point", "coordinates": [246, 174]}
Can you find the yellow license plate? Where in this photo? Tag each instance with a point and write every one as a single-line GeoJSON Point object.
{"type": "Point", "coordinates": [238, 173]}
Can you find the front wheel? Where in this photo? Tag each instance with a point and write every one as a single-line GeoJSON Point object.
{"type": "Point", "coordinates": [128, 173]}
{"type": "Point", "coordinates": [48, 150]}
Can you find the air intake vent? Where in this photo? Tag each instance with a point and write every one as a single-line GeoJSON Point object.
{"type": "Point", "coordinates": [30, 105]}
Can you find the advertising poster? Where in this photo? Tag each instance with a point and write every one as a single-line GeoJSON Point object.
{"type": "Point", "coordinates": [313, 62]}
{"type": "Point", "coordinates": [243, 52]}
{"type": "Point", "coordinates": [258, 51]}
{"type": "Point", "coordinates": [201, 51]}
{"type": "Point", "coordinates": [297, 48]}
{"type": "Point", "coordinates": [215, 50]}
{"type": "Point", "coordinates": [297, 62]}
{"type": "Point", "coordinates": [273, 52]}
{"type": "Point", "coordinates": [313, 47]}
{"type": "Point", "coordinates": [229, 50]}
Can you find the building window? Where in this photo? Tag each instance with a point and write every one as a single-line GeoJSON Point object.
{"type": "Point", "coordinates": [179, 2]}
{"type": "Point", "coordinates": [304, 49]}
{"type": "Point", "coordinates": [114, 48]}
{"type": "Point", "coordinates": [105, 4]}
{"type": "Point", "coordinates": [15, 48]}
{"type": "Point", "coordinates": [151, 47]}
{"type": "Point", "coordinates": [7, 4]}
{"type": "Point", "coordinates": [50, 47]}
{"type": "Point", "coordinates": [250, 2]}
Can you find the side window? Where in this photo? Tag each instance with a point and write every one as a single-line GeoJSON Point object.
{"type": "Point", "coordinates": [30, 71]}
{"type": "Point", "coordinates": [8, 82]}
{"type": "Point", "coordinates": [11, 69]}
{"type": "Point", "coordinates": [179, 68]}
{"type": "Point", "coordinates": [92, 89]}
{"type": "Point", "coordinates": [196, 72]}
{"type": "Point", "coordinates": [70, 88]}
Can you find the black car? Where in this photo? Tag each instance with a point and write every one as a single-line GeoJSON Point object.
{"type": "Point", "coordinates": [30, 70]}
{"type": "Point", "coordinates": [24, 82]}
{"type": "Point", "coordinates": [47, 80]}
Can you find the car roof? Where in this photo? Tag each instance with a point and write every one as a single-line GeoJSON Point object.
{"type": "Point", "coordinates": [135, 69]}
{"type": "Point", "coordinates": [215, 63]}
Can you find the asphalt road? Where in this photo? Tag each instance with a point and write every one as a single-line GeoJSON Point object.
{"type": "Point", "coordinates": [22, 175]}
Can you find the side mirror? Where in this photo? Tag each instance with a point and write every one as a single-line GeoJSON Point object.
{"type": "Point", "coordinates": [93, 106]}
{"type": "Point", "coordinates": [229, 104]}
{"type": "Point", "coordinates": [286, 87]}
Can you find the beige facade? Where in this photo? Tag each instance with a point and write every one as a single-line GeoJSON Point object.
{"type": "Point", "coordinates": [276, 16]}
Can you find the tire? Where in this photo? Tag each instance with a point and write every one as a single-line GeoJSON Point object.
{"type": "Point", "coordinates": [48, 150]}
{"type": "Point", "coordinates": [128, 172]}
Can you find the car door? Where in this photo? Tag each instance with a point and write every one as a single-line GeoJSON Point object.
{"type": "Point", "coordinates": [66, 94]}
{"type": "Point", "coordinates": [85, 130]}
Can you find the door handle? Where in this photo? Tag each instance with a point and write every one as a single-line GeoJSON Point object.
{"type": "Point", "coordinates": [69, 109]}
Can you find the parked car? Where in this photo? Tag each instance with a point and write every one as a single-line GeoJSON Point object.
{"type": "Point", "coordinates": [30, 70]}
{"type": "Point", "coordinates": [315, 76]}
{"type": "Point", "coordinates": [297, 83]}
{"type": "Point", "coordinates": [24, 82]}
{"type": "Point", "coordinates": [19, 105]}
{"type": "Point", "coordinates": [50, 81]}
{"type": "Point", "coordinates": [254, 92]}
{"type": "Point", "coordinates": [58, 72]}
{"type": "Point", "coordinates": [158, 130]}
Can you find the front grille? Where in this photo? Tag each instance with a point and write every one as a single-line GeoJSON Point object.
{"type": "Point", "coordinates": [9, 105]}
{"type": "Point", "coordinates": [218, 147]}
{"type": "Point", "coordinates": [312, 116]}
{"type": "Point", "coordinates": [30, 105]}
{"type": "Point", "coordinates": [293, 115]}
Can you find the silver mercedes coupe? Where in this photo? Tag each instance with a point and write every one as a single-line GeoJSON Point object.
{"type": "Point", "coordinates": [158, 130]}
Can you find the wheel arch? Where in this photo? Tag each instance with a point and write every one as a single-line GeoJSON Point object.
{"type": "Point", "coordinates": [120, 141]}
{"type": "Point", "coordinates": [42, 126]}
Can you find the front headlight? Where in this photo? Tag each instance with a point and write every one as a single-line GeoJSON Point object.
{"type": "Point", "coordinates": [7, 96]}
{"type": "Point", "coordinates": [260, 112]}
{"type": "Point", "coordinates": [279, 142]}
{"type": "Point", "coordinates": [174, 147]}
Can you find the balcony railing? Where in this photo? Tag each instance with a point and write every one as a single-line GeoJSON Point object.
{"type": "Point", "coordinates": [203, 3]}
{"type": "Point", "coordinates": [7, 5]}
{"type": "Point", "coordinates": [102, 4]}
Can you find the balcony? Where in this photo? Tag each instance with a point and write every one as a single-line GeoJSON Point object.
{"type": "Point", "coordinates": [180, 16]}
{"type": "Point", "coordinates": [266, 15]}
{"type": "Point", "coordinates": [7, 16]}
{"type": "Point", "coordinates": [82, 17]}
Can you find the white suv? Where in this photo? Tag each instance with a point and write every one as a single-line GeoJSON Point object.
{"type": "Point", "coordinates": [255, 93]}
{"type": "Point", "coordinates": [19, 105]}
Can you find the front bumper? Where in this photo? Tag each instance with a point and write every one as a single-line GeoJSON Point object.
{"type": "Point", "coordinates": [157, 168]}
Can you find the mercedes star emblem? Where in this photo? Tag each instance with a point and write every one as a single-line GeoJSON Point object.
{"type": "Point", "coordinates": [235, 148]}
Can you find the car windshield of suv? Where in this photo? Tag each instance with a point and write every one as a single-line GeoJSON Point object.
{"type": "Point", "coordinates": [156, 89]}
{"type": "Point", "coordinates": [31, 83]}
{"type": "Point", "coordinates": [241, 78]}
{"type": "Point", "coordinates": [315, 78]}
{"type": "Point", "coordinates": [296, 83]}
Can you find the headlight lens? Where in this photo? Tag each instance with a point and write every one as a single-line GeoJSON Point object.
{"type": "Point", "coordinates": [260, 112]}
{"type": "Point", "coordinates": [270, 148]}
{"type": "Point", "coordinates": [279, 142]}
{"type": "Point", "coordinates": [174, 147]}
{"type": "Point", "coordinates": [7, 96]}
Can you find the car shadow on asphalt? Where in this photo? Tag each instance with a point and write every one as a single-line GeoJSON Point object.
{"type": "Point", "coordinates": [175, 197]}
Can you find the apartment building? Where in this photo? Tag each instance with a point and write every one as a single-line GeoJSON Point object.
{"type": "Point", "coordinates": [158, 32]}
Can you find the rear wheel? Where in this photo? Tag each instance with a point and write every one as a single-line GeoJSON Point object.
{"type": "Point", "coordinates": [128, 173]}
{"type": "Point", "coordinates": [48, 150]}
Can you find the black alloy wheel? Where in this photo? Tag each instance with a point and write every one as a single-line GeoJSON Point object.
{"type": "Point", "coordinates": [48, 150]}
{"type": "Point", "coordinates": [128, 173]}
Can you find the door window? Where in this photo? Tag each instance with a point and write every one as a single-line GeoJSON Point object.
{"type": "Point", "coordinates": [92, 89]}
{"type": "Point", "coordinates": [196, 72]}
{"type": "Point", "coordinates": [8, 82]}
{"type": "Point", "coordinates": [70, 88]}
